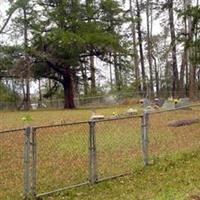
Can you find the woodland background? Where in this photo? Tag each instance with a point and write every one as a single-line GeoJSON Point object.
{"type": "Point", "coordinates": [149, 47]}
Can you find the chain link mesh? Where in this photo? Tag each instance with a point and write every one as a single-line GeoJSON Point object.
{"type": "Point", "coordinates": [62, 151]}
{"type": "Point", "coordinates": [165, 139]}
{"type": "Point", "coordinates": [118, 146]}
{"type": "Point", "coordinates": [62, 156]}
{"type": "Point", "coordinates": [11, 162]}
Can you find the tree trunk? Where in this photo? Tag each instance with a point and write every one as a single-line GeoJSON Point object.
{"type": "Point", "coordinates": [40, 94]}
{"type": "Point", "coordinates": [183, 122]}
{"type": "Point", "coordinates": [90, 13]}
{"type": "Point", "coordinates": [173, 44]}
{"type": "Point", "coordinates": [85, 79]}
{"type": "Point", "coordinates": [75, 81]}
{"type": "Point", "coordinates": [51, 96]}
{"type": "Point", "coordinates": [68, 90]}
{"type": "Point", "coordinates": [117, 79]}
{"type": "Point", "coordinates": [14, 92]}
{"type": "Point", "coordinates": [156, 77]}
{"type": "Point", "coordinates": [149, 48]}
{"type": "Point", "coordinates": [182, 73]}
{"type": "Point", "coordinates": [195, 50]}
{"type": "Point", "coordinates": [192, 67]}
{"type": "Point", "coordinates": [22, 105]}
{"type": "Point", "coordinates": [121, 80]}
{"type": "Point", "coordinates": [184, 64]}
{"type": "Point", "coordinates": [110, 70]}
{"type": "Point", "coordinates": [141, 47]}
{"type": "Point", "coordinates": [136, 70]}
{"type": "Point", "coordinates": [192, 85]}
{"type": "Point", "coordinates": [23, 90]}
{"type": "Point", "coordinates": [27, 96]}
{"type": "Point", "coordinates": [27, 103]}
{"type": "Point", "coordinates": [93, 79]}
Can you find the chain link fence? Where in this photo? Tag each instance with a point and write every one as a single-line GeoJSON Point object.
{"type": "Point", "coordinates": [83, 152]}
{"type": "Point", "coordinates": [41, 160]}
{"type": "Point", "coordinates": [62, 151]}
{"type": "Point", "coordinates": [104, 100]}
{"type": "Point", "coordinates": [174, 131]}
{"type": "Point", "coordinates": [11, 164]}
{"type": "Point", "coordinates": [118, 146]}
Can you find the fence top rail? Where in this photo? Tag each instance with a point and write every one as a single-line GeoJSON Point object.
{"type": "Point", "coordinates": [86, 122]}
{"type": "Point", "coordinates": [174, 109]}
{"type": "Point", "coordinates": [60, 125]}
{"type": "Point", "coordinates": [117, 118]}
{"type": "Point", "coordinates": [11, 130]}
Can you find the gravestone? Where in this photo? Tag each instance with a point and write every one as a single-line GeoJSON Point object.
{"type": "Point", "coordinates": [182, 102]}
{"type": "Point", "coordinates": [159, 101]}
{"type": "Point", "coordinates": [131, 111]}
{"type": "Point", "coordinates": [111, 99]}
{"type": "Point", "coordinates": [168, 105]}
{"type": "Point", "coordinates": [145, 102]}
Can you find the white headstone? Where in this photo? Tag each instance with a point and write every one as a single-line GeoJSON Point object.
{"type": "Point", "coordinates": [168, 105]}
{"type": "Point", "coordinates": [183, 102]}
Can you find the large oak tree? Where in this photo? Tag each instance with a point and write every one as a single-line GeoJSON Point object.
{"type": "Point", "coordinates": [65, 37]}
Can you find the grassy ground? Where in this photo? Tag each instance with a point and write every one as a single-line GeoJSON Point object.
{"type": "Point", "coordinates": [62, 156]}
{"type": "Point", "coordinates": [42, 117]}
{"type": "Point", "coordinates": [170, 178]}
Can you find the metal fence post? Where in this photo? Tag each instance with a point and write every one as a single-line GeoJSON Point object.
{"type": "Point", "coordinates": [27, 162]}
{"type": "Point", "coordinates": [92, 153]}
{"type": "Point", "coordinates": [144, 135]}
{"type": "Point", "coordinates": [34, 164]}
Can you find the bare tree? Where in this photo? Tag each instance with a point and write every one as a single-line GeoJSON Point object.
{"type": "Point", "coordinates": [136, 70]}
{"type": "Point", "coordinates": [173, 46]}
{"type": "Point", "coordinates": [140, 45]}
{"type": "Point", "coordinates": [93, 78]}
{"type": "Point", "coordinates": [27, 100]}
{"type": "Point", "coordinates": [149, 44]}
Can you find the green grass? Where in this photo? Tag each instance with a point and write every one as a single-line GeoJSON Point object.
{"type": "Point", "coordinates": [169, 178]}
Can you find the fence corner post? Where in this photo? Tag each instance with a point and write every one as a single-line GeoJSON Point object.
{"type": "Point", "coordinates": [92, 153]}
{"type": "Point", "coordinates": [144, 136]}
{"type": "Point", "coordinates": [27, 132]}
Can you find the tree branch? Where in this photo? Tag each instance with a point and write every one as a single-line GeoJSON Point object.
{"type": "Point", "coordinates": [7, 20]}
{"type": "Point", "coordinates": [52, 77]}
